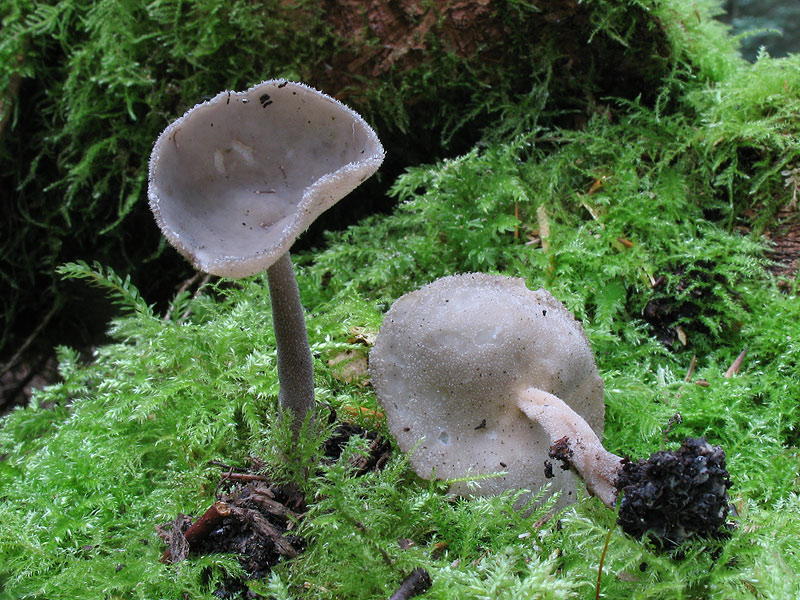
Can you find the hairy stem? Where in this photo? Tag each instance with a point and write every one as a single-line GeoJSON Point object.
{"type": "Point", "coordinates": [295, 366]}
{"type": "Point", "coordinates": [597, 467]}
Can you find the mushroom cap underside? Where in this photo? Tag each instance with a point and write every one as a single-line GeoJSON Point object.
{"type": "Point", "coordinates": [236, 179]}
{"type": "Point", "coordinates": [449, 363]}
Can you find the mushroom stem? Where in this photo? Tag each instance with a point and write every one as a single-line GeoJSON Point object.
{"type": "Point", "coordinates": [597, 467]}
{"type": "Point", "coordinates": [295, 366]}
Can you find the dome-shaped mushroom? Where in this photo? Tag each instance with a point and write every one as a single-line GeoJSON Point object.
{"type": "Point", "coordinates": [458, 363]}
{"type": "Point", "coordinates": [236, 179]}
{"type": "Point", "coordinates": [477, 375]}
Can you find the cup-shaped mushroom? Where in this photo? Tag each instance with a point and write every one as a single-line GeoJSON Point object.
{"type": "Point", "coordinates": [236, 179]}
{"type": "Point", "coordinates": [458, 363]}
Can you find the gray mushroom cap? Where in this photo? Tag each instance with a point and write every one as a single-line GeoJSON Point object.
{"type": "Point", "coordinates": [451, 363]}
{"type": "Point", "coordinates": [236, 179]}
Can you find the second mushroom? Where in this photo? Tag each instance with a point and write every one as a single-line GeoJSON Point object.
{"type": "Point", "coordinates": [479, 375]}
{"type": "Point", "coordinates": [482, 373]}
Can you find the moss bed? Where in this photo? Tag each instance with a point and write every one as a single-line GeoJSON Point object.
{"type": "Point", "coordinates": [661, 201]}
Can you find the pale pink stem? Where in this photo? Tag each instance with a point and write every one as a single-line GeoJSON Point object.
{"type": "Point", "coordinates": [597, 467]}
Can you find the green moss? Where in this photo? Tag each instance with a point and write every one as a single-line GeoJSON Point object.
{"type": "Point", "coordinates": [99, 80]}
{"type": "Point", "coordinates": [643, 205]}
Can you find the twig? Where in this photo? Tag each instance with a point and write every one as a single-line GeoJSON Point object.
{"type": "Point", "coordinates": [593, 212]}
{"type": "Point", "coordinates": [417, 582]}
{"type": "Point", "coordinates": [605, 551]}
{"type": "Point", "coordinates": [690, 372]}
{"type": "Point", "coordinates": [544, 235]}
{"type": "Point", "coordinates": [737, 364]}
{"type": "Point", "coordinates": [201, 528]}
{"type": "Point", "coordinates": [231, 476]}
{"type": "Point", "coordinates": [675, 419]}
{"type": "Point", "coordinates": [264, 498]}
{"type": "Point", "coordinates": [245, 477]}
{"type": "Point", "coordinates": [183, 287]}
{"type": "Point", "coordinates": [203, 283]}
{"type": "Point", "coordinates": [9, 392]}
{"type": "Point", "coordinates": [544, 227]}
{"type": "Point", "coordinates": [602, 560]}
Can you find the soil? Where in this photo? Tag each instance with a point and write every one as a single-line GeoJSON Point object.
{"type": "Point", "coordinates": [18, 383]}
{"type": "Point", "coordinates": [255, 519]}
{"type": "Point", "coordinates": [666, 308]}
{"type": "Point", "coordinates": [381, 38]}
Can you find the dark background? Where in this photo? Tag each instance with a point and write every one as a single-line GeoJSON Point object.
{"type": "Point", "coordinates": [780, 17]}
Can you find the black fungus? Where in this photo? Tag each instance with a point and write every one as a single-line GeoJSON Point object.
{"type": "Point", "coordinates": [675, 495]}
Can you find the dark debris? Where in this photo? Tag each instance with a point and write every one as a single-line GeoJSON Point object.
{"type": "Point", "coordinates": [683, 301]}
{"type": "Point", "coordinates": [561, 452]}
{"type": "Point", "coordinates": [261, 517]}
{"type": "Point", "coordinates": [676, 495]}
{"type": "Point", "coordinates": [377, 450]}
{"type": "Point", "coordinates": [257, 529]}
{"type": "Point", "coordinates": [416, 583]}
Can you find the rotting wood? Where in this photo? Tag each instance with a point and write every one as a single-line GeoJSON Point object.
{"type": "Point", "coordinates": [265, 499]}
{"type": "Point", "coordinates": [690, 372]}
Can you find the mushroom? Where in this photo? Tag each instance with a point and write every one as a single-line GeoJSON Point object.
{"type": "Point", "coordinates": [235, 180]}
{"type": "Point", "coordinates": [479, 375]}
{"type": "Point", "coordinates": [459, 364]}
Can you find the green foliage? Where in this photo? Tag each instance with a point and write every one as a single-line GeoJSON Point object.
{"type": "Point", "coordinates": [99, 81]}
{"type": "Point", "coordinates": [124, 293]}
{"type": "Point", "coordinates": [461, 216]}
{"type": "Point", "coordinates": [88, 85]}
{"type": "Point", "coordinates": [289, 455]}
{"type": "Point", "coordinates": [509, 574]}
{"type": "Point", "coordinates": [359, 520]}
{"type": "Point", "coordinates": [124, 443]}
{"type": "Point", "coordinates": [749, 132]}
{"type": "Point", "coordinates": [642, 206]}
